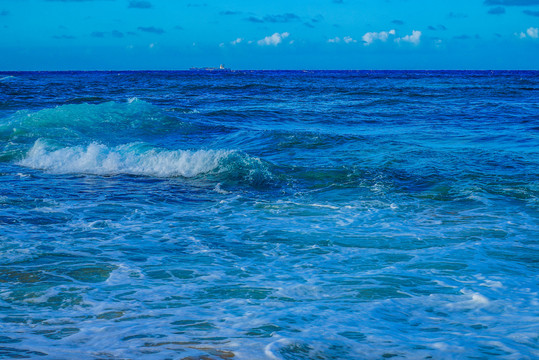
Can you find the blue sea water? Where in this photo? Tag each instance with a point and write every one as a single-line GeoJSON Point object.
{"type": "Point", "coordinates": [269, 215]}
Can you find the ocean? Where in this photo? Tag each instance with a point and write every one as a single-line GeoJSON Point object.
{"type": "Point", "coordinates": [269, 215]}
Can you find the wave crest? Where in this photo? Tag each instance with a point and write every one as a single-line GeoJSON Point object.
{"type": "Point", "coordinates": [104, 122]}
{"type": "Point", "coordinates": [7, 78]}
{"type": "Point", "coordinates": [144, 160]}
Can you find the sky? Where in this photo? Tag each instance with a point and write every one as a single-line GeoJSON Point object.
{"type": "Point", "coordinates": [277, 34]}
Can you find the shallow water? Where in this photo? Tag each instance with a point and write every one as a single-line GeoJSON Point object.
{"type": "Point", "coordinates": [269, 215]}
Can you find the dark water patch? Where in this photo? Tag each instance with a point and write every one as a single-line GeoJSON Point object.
{"type": "Point", "coordinates": [17, 353]}
{"type": "Point", "coordinates": [86, 100]}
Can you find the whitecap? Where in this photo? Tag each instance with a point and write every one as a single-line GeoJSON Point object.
{"type": "Point", "coordinates": [131, 159]}
{"type": "Point", "coordinates": [141, 159]}
{"type": "Point", "coordinates": [219, 190]}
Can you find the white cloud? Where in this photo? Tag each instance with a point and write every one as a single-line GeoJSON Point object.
{"type": "Point", "coordinates": [415, 38]}
{"type": "Point", "coordinates": [383, 36]}
{"type": "Point", "coordinates": [533, 32]}
{"type": "Point", "coordinates": [346, 39]}
{"type": "Point", "coordinates": [370, 37]}
{"type": "Point", "coordinates": [274, 39]}
{"type": "Point", "coordinates": [237, 41]}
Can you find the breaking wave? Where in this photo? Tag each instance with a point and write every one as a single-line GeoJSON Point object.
{"type": "Point", "coordinates": [144, 160]}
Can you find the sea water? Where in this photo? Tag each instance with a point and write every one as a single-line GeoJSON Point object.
{"type": "Point", "coordinates": [269, 215]}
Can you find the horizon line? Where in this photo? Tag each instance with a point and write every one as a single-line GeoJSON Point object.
{"type": "Point", "coordinates": [202, 70]}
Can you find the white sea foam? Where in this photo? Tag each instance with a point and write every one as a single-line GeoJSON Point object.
{"type": "Point", "coordinates": [473, 300]}
{"type": "Point", "coordinates": [133, 159]}
{"type": "Point", "coordinates": [219, 190]}
{"type": "Point", "coordinates": [270, 349]}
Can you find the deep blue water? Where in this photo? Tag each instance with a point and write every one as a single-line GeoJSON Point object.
{"type": "Point", "coordinates": [269, 215]}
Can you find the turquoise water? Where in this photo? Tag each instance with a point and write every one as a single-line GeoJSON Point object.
{"type": "Point", "coordinates": [269, 215]}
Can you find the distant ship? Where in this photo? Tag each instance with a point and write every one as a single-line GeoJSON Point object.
{"type": "Point", "coordinates": [220, 68]}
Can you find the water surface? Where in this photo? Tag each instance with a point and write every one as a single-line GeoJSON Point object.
{"type": "Point", "coordinates": [269, 215]}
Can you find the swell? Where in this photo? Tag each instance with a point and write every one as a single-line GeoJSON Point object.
{"type": "Point", "coordinates": [6, 78]}
{"type": "Point", "coordinates": [110, 122]}
{"type": "Point", "coordinates": [132, 138]}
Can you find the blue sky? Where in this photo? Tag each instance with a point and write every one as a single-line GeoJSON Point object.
{"type": "Point", "coordinates": [278, 34]}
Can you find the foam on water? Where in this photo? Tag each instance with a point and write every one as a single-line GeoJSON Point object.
{"type": "Point", "coordinates": [337, 216]}
{"type": "Point", "coordinates": [143, 160]}
{"type": "Point", "coordinates": [132, 159]}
